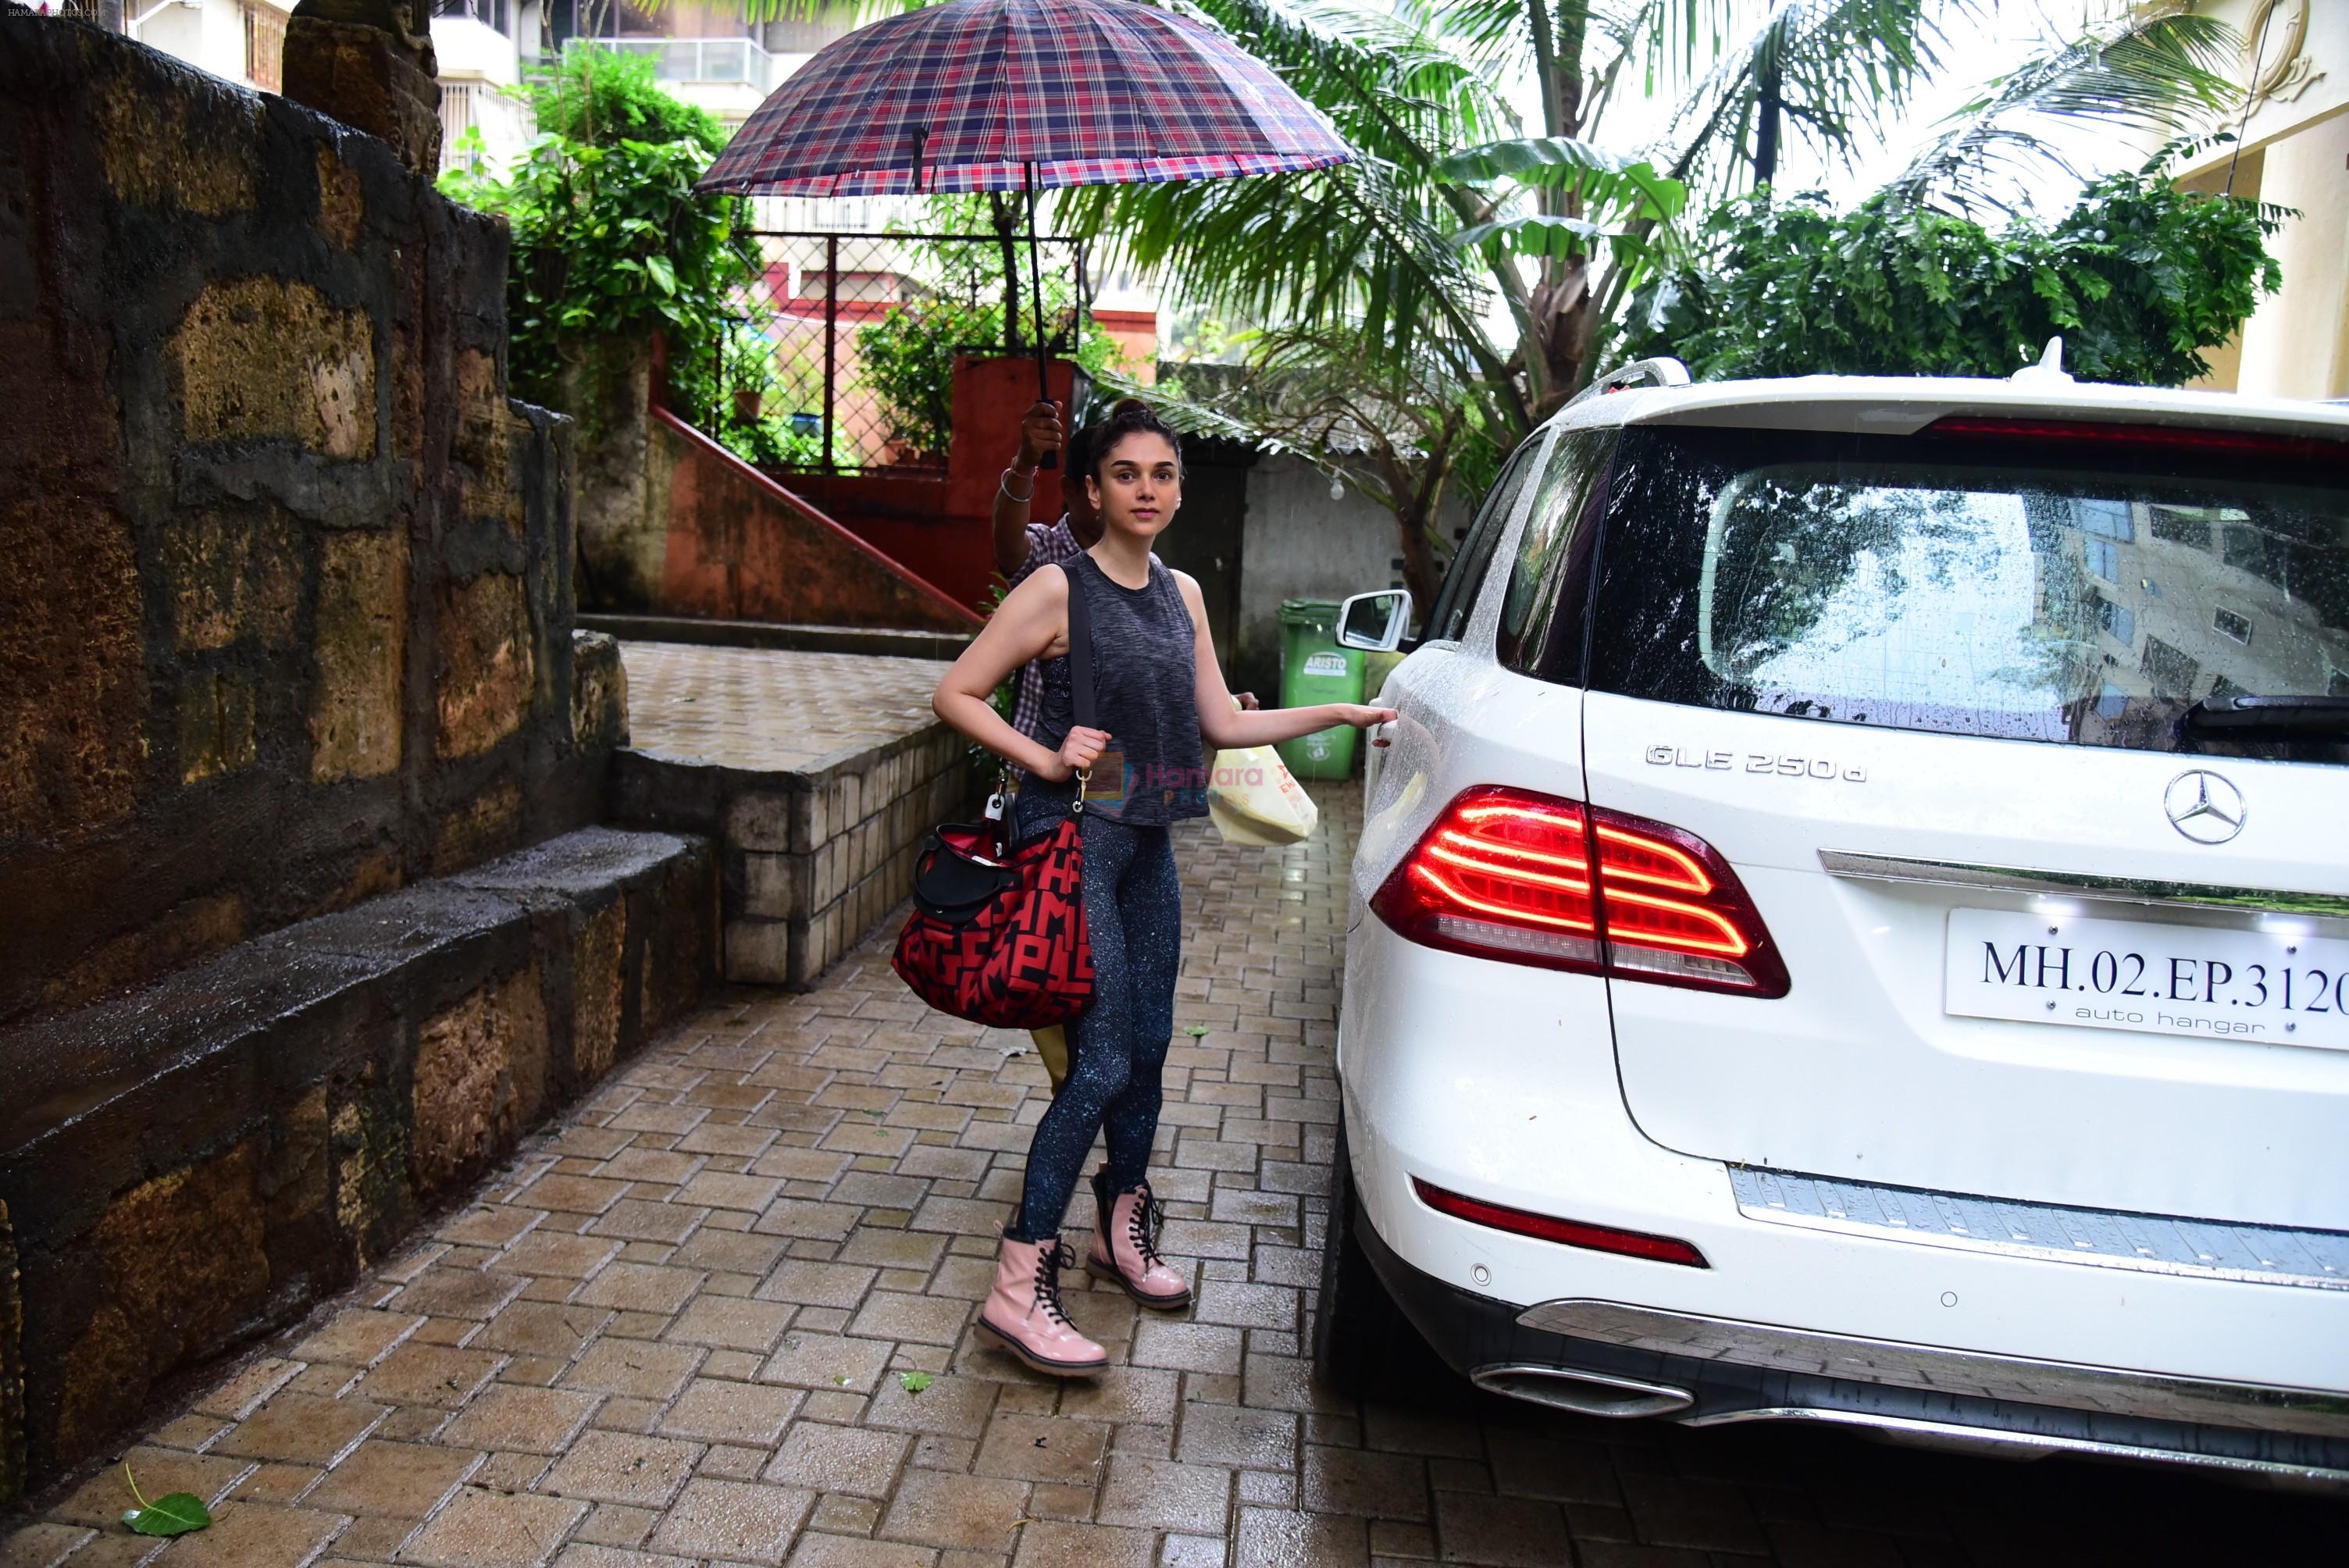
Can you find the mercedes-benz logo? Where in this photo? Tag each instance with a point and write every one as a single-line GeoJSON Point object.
{"type": "Point", "coordinates": [2204, 807]}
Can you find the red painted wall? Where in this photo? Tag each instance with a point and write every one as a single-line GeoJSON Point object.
{"type": "Point", "coordinates": [741, 547]}
{"type": "Point", "coordinates": [938, 525]}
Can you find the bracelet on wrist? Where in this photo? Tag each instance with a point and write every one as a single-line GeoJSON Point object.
{"type": "Point", "coordinates": [1004, 484]}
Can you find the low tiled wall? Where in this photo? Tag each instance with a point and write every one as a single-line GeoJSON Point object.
{"type": "Point", "coordinates": [818, 773]}
{"type": "Point", "coordinates": [194, 1163]}
{"type": "Point", "coordinates": [810, 860]}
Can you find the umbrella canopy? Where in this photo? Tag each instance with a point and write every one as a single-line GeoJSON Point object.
{"type": "Point", "coordinates": [1005, 95]}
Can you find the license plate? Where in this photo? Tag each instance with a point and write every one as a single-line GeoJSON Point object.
{"type": "Point", "coordinates": [2251, 986]}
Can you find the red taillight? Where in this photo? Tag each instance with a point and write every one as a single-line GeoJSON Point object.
{"type": "Point", "coordinates": [1566, 1232]}
{"type": "Point", "coordinates": [2175, 438]}
{"type": "Point", "coordinates": [1505, 873]}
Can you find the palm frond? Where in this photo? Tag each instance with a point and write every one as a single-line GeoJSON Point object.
{"type": "Point", "coordinates": [1598, 179]}
{"type": "Point", "coordinates": [1342, 245]}
{"type": "Point", "coordinates": [1363, 246]}
{"type": "Point", "coordinates": [1673, 40]}
{"type": "Point", "coordinates": [1840, 68]}
{"type": "Point", "coordinates": [2162, 74]}
{"type": "Point", "coordinates": [1389, 83]}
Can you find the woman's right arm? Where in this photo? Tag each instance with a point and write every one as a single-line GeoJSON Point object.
{"type": "Point", "coordinates": [1032, 618]}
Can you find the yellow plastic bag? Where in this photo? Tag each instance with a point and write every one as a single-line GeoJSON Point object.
{"type": "Point", "coordinates": [1252, 798]}
{"type": "Point", "coordinates": [1052, 1045]}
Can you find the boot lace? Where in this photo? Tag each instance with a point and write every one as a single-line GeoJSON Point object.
{"type": "Point", "coordinates": [1149, 1217]}
{"type": "Point", "coordinates": [1050, 1260]}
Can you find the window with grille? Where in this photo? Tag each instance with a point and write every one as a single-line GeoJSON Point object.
{"type": "Point", "coordinates": [264, 48]}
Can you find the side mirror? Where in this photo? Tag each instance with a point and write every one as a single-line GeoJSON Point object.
{"type": "Point", "coordinates": [1375, 623]}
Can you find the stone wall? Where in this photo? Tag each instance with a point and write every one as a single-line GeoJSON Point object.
{"type": "Point", "coordinates": [306, 919]}
{"type": "Point", "coordinates": [196, 1162]}
{"type": "Point", "coordinates": [287, 615]}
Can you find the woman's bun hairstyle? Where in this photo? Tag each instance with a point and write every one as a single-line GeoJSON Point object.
{"type": "Point", "coordinates": [1127, 417]}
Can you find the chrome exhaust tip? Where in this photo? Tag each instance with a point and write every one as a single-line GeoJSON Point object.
{"type": "Point", "coordinates": [1584, 1393]}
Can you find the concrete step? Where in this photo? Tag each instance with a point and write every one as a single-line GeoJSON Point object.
{"type": "Point", "coordinates": [192, 1164]}
{"type": "Point", "coordinates": [698, 630]}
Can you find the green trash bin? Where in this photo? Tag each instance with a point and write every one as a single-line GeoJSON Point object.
{"type": "Point", "coordinates": [1314, 669]}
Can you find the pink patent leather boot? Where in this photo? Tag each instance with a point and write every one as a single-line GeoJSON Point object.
{"type": "Point", "coordinates": [1023, 1311]}
{"type": "Point", "coordinates": [1125, 1246]}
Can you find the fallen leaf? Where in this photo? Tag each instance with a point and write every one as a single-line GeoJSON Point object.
{"type": "Point", "coordinates": [174, 1515]}
{"type": "Point", "coordinates": [913, 1382]}
{"type": "Point", "coordinates": [1196, 1031]}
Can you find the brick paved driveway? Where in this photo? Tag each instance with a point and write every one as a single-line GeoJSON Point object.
{"type": "Point", "coordinates": [678, 1330]}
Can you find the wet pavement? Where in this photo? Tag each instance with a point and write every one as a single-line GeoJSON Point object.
{"type": "Point", "coordinates": [721, 1313]}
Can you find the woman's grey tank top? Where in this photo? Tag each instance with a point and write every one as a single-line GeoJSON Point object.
{"type": "Point", "coordinates": [1144, 657]}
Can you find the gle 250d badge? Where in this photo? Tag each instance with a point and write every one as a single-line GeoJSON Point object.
{"type": "Point", "coordinates": [1782, 765]}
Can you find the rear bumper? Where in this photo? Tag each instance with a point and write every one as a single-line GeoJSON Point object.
{"type": "Point", "coordinates": [1814, 1304]}
{"type": "Point", "coordinates": [1606, 1358]}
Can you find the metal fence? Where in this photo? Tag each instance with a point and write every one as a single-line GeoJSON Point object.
{"type": "Point", "coordinates": [842, 357]}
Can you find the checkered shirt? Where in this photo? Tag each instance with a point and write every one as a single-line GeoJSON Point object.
{"type": "Point", "coordinates": [976, 96]}
{"type": "Point", "coordinates": [1046, 547]}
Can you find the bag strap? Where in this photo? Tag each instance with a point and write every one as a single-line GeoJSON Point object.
{"type": "Point", "coordinates": [1081, 660]}
{"type": "Point", "coordinates": [1081, 645]}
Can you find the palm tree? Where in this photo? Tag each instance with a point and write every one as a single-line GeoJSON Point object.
{"type": "Point", "coordinates": [2130, 74]}
{"type": "Point", "coordinates": [1467, 262]}
{"type": "Point", "coordinates": [1462, 258]}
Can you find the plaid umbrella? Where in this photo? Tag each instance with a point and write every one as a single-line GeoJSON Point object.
{"type": "Point", "coordinates": [1001, 95]}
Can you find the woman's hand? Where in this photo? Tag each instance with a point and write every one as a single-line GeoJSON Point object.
{"type": "Point", "coordinates": [1078, 752]}
{"type": "Point", "coordinates": [1360, 716]}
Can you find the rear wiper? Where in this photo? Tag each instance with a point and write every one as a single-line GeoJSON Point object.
{"type": "Point", "coordinates": [2268, 716]}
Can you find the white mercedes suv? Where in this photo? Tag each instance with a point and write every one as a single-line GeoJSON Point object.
{"type": "Point", "coordinates": [1852, 924]}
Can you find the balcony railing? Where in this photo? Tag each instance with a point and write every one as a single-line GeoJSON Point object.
{"type": "Point", "coordinates": [702, 59]}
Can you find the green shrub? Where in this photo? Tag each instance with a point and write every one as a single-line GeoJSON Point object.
{"type": "Point", "coordinates": [2140, 277]}
{"type": "Point", "coordinates": [606, 97]}
{"type": "Point", "coordinates": [611, 242]}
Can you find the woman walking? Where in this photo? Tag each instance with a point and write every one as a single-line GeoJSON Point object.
{"type": "Point", "coordinates": [1157, 686]}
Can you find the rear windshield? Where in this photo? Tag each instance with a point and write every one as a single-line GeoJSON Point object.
{"type": "Point", "coordinates": [1970, 586]}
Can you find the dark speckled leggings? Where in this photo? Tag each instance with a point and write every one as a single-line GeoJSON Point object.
{"type": "Point", "coordinates": [1117, 1047]}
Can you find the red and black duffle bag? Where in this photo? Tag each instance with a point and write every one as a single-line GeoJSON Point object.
{"type": "Point", "coordinates": [998, 931]}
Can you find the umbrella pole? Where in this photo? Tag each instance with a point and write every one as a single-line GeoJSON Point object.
{"type": "Point", "coordinates": [1036, 279]}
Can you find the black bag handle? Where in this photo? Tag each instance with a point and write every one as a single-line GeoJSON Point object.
{"type": "Point", "coordinates": [1081, 661]}
{"type": "Point", "coordinates": [1080, 646]}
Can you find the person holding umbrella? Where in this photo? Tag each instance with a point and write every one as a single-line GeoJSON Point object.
{"type": "Point", "coordinates": [1021, 546]}
{"type": "Point", "coordinates": [1158, 686]}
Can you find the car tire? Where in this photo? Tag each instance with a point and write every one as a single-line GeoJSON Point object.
{"type": "Point", "coordinates": [1354, 1320]}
